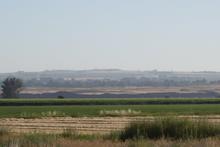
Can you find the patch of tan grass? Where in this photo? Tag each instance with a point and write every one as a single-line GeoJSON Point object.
{"type": "Point", "coordinates": [210, 142]}
{"type": "Point", "coordinates": [36, 140]}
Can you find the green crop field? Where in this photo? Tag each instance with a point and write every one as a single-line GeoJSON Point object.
{"type": "Point", "coordinates": [28, 108]}
{"type": "Point", "coordinates": [139, 110]}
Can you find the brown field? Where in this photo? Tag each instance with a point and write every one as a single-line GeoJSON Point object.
{"type": "Point", "coordinates": [82, 125]}
{"type": "Point", "coordinates": [124, 90]}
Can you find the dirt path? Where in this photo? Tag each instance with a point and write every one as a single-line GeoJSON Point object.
{"type": "Point", "coordinates": [84, 125]}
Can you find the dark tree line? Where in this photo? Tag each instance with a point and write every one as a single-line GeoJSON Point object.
{"type": "Point", "coordinates": [11, 87]}
{"type": "Point", "coordinates": [50, 82]}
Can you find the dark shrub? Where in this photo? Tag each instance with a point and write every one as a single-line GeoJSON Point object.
{"type": "Point", "coordinates": [60, 97]}
{"type": "Point", "coordinates": [173, 128]}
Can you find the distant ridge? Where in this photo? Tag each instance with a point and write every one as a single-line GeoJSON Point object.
{"type": "Point", "coordinates": [114, 74]}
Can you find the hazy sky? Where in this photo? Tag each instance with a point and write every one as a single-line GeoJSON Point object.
{"type": "Point", "coordinates": [179, 35]}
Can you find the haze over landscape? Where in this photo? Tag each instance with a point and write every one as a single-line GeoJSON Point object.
{"type": "Point", "coordinates": [100, 34]}
{"type": "Point", "coordinates": [109, 73]}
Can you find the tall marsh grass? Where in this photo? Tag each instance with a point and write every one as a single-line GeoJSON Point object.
{"type": "Point", "coordinates": [172, 128]}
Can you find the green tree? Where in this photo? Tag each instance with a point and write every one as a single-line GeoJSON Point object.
{"type": "Point", "coordinates": [11, 87]}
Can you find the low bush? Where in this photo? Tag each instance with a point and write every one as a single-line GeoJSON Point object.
{"type": "Point", "coordinates": [172, 128]}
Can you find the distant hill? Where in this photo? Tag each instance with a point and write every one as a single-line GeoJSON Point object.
{"type": "Point", "coordinates": [113, 77]}
{"type": "Point", "coordinates": [113, 74]}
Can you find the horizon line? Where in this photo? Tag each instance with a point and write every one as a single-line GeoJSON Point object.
{"type": "Point", "coordinates": [110, 69]}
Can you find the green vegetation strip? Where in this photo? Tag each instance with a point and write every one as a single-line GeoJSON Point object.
{"type": "Point", "coordinates": [78, 111]}
{"type": "Point", "coordinates": [107, 101]}
{"type": "Point", "coordinates": [171, 128]}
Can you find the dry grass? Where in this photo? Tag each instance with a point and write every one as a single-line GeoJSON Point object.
{"type": "Point", "coordinates": [71, 138]}
{"type": "Point", "coordinates": [63, 142]}
{"type": "Point", "coordinates": [97, 143]}
{"type": "Point", "coordinates": [51, 140]}
{"type": "Point", "coordinates": [84, 125]}
{"type": "Point", "coordinates": [210, 142]}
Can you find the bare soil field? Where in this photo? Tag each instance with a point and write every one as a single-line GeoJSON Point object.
{"type": "Point", "coordinates": [202, 91]}
{"type": "Point", "coordinates": [82, 125]}
{"type": "Point", "coordinates": [124, 90]}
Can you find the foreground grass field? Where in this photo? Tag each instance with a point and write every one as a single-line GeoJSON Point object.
{"type": "Point", "coordinates": [163, 133]}
{"type": "Point", "coordinates": [109, 110]}
{"type": "Point", "coordinates": [63, 113]}
{"type": "Point", "coordinates": [41, 140]}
